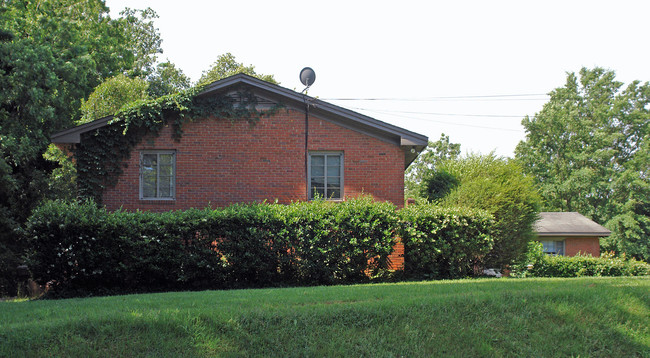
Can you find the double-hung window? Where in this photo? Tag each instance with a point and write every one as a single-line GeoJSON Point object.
{"type": "Point", "coordinates": [158, 174]}
{"type": "Point", "coordinates": [326, 175]}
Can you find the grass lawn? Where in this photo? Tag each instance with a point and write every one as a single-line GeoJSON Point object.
{"type": "Point", "coordinates": [607, 317]}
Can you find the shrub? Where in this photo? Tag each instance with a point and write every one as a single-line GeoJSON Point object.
{"type": "Point", "coordinates": [580, 265]}
{"type": "Point", "coordinates": [444, 242]}
{"type": "Point", "coordinates": [499, 186]}
{"type": "Point", "coordinates": [83, 249]}
{"type": "Point", "coordinates": [340, 242]}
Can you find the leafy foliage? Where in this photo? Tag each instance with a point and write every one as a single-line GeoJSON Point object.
{"type": "Point", "coordinates": [84, 249]}
{"type": "Point", "coordinates": [142, 37]}
{"type": "Point", "coordinates": [541, 265]}
{"type": "Point", "coordinates": [444, 242]}
{"type": "Point", "coordinates": [226, 65]}
{"type": "Point", "coordinates": [588, 150]}
{"type": "Point", "coordinates": [167, 79]}
{"type": "Point", "coordinates": [62, 183]}
{"type": "Point", "coordinates": [111, 95]}
{"type": "Point", "coordinates": [436, 184]}
{"type": "Point", "coordinates": [499, 186]}
{"type": "Point", "coordinates": [52, 55]}
{"type": "Point", "coordinates": [426, 161]}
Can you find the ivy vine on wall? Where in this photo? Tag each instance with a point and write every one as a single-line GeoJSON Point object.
{"type": "Point", "coordinates": [102, 152]}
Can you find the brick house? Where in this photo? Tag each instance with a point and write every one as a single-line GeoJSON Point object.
{"type": "Point", "coordinates": [309, 148]}
{"type": "Point", "coordinates": [569, 234]}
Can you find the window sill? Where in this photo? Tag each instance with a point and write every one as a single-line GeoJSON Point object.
{"type": "Point", "coordinates": [158, 201]}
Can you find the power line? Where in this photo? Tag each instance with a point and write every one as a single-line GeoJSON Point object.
{"type": "Point", "coordinates": [441, 114]}
{"type": "Point", "coordinates": [502, 97]}
{"type": "Point", "coordinates": [448, 123]}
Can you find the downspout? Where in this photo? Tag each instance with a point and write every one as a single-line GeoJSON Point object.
{"type": "Point", "coordinates": [304, 98]}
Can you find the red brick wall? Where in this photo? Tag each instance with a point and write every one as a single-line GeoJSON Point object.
{"type": "Point", "coordinates": [397, 257]}
{"type": "Point", "coordinates": [583, 245]}
{"type": "Point", "coordinates": [219, 163]}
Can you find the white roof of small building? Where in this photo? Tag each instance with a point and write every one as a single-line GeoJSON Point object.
{"type": "Point", "coordinates": [568, 224]}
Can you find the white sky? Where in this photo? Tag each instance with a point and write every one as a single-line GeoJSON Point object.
{"type": "Point", "coordinates": [414, 50]}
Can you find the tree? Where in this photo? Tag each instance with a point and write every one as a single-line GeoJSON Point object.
{"type": "Point", "coordinates": [143, 38]}
{"type": "Point", "coordinates": [167, 79]}
{"type": "Point", "coordinates": [226, 65]}
{"type": "Point", "coordinates": [588, 149]}
{"type": "Point", "coordinates": [499, 186]}
{"type": "Point", "coordinates": [52, 55]}
{"type": "Point", "coordinates": [111, 95]}
{"type": "Point", "coordinates": [434, 153]}
{"type": "Point", "coordinates": [436, 184]}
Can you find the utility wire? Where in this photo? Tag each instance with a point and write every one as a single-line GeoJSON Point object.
{"type": "Point", "coordinates": [503, 97]}
{"type": "Point", "coordinates": [448, 123]}
{"type": "Point", "coordinates": [441, 114]}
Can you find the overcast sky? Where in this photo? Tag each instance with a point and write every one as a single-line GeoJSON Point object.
{"type": "Point", "coordinates": [409, 57]}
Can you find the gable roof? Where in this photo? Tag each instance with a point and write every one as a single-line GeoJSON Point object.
{"type": "Point", "coordinates": [568, 224]}
{"type": "Point", "coordinates": [411, 143]}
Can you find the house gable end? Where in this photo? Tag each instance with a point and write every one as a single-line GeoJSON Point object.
{"type": "Point", "coordinates": [268, 95]}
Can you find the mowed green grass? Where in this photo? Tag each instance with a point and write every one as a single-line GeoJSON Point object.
{"type": "Point", "coordinates": [607, 317]}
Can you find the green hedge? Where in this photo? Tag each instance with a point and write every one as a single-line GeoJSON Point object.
{"type": "Point", "coordinates": [82, 249]}
{"type": "Point", "coordinates": [538, 264]}
{"type": "Point", "coordinates": [444, 242]}
{"type": "Point", "coordinates": [575, 266]}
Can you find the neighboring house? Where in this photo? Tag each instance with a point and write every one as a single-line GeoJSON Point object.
{"type": "Point", "coordinates": [331, 152]}
{"type": "Point", "coordinates": [568, 234]}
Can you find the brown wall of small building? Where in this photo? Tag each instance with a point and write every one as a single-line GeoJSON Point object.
{"type": "Point", "coordinates": [582, 245]}
{"type": "Point", "coordinates": [219, 162]}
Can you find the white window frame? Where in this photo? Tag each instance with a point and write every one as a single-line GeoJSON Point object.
{"type": "Point", "coordinates": [341, 171]}
{"type": "Point", "coordinates": [172, 189]}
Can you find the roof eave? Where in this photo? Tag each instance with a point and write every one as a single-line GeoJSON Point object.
{"type": "Point", "coordinates": [73, 135]}
{"type": "Point", "coordinates": [573, 234]}
{"type": "Point", "coordinates": [411, 143]}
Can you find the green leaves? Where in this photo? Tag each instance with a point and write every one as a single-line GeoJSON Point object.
{"type": "Point", "coordinates": [498, 186]}
{"type": "Point", "coordinates": [111, 95]}
{"type": "Point", "coordinates": [226, 65]}
{"type": "Point", "coordinates": [238, 246]}
{"type": "Point", "coordinates": [304, 243]}
{"type": "Point", "coordinates": [588, 151]}
{"type": "Point", "coordinates": [444, 243]}
{"type": "Point", "coordinates": [434, 153]}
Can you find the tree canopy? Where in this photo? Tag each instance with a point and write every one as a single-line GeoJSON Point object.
{"type": "Point", "coordinates": [500, 187]}
{"type": "Point", "coordinates": [226, 65]}
{"type": "Point", "coordinates": [167, 79]}
{"type": "Point", "coordinates": [111, 95]}
{"type": "Point", "coordinates": [589, 151]}
{"type": "Point", "coordinates": [52, 55]}
{"type": "Point", "coordinates": [434, 153]}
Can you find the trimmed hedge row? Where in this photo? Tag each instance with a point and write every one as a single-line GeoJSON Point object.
{"type": "Point", "coordinates": [538, 264]}
{"type": "Point", "coordinates": [576, 266]}
{"type": "Point", "coordinates": [442, 243]}
{"type": "Point", "coordinates": [82, 249]}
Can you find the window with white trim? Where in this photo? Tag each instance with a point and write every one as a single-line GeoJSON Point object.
{"type": "Point", "coordinates": [553, 247]}
{"type": "Point", "coordinates": [158, 174]}
{"type": "Point", "coordinates": [326, 175]}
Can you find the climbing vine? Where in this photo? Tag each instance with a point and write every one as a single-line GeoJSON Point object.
{"type": "Point", "coordinates": [102, 152]}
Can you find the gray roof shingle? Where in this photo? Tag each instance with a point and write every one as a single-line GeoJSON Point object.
{"type": "Point", "coordinates": [568, 224]}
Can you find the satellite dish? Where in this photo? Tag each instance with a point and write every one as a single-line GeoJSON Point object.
{"type": "Point", "coordinates": [307, 76]}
